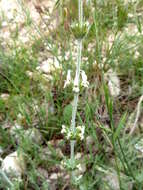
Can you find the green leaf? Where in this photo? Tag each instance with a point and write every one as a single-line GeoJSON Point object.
{"type": "Point", "coordinates": [109, 103]}
{"type": "Point", "coordinates": [57, 3]}
{"type": "Point", "coordinates": [120, 126]}
{"type": "Point", "coordinates": [67, 113]}
{"type": "Point", "coordinates": [122, 16]}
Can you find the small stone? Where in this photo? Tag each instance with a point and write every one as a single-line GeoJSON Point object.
{"type": "Point", "coordinates": [89, 141]}
{"type": "Point", "coordinates": [33, 135]}
{"type": "Point", "coordinates": [43, 172]}
{"type": "Point", "coordinates": [15, 131]}
{"type": "Point", "coordinates": [6, 125]}
{"type": "Point", "coordinates": [49, 152]}
{"type": "Point", "coordinates": [55, 143]}
{"type": "Point", "coordinates": [78, 155]}
{"type": "Point", "coordinates": [113, 82]}
{"type": "Point", "coordinates": [111, 178]}
{"type": "Point", "coordinates": [54, 176]}
{"type": "Point", "coordinates": [4, 96]}
{"type": "Point", "coordinates": [81, 169]}
{"type": "Point", "coordinates": [130, 15]}
{"type": "Point", "coordinates": [59, 153]}
{"type": "Point", "coordinates": [29, 74]}
{"type": "Point", "coordinates": [48, 65]}
{"type": "Point", "coordinates": [67, 177]}
{"type": "Point", "coordinates": [13, 165]}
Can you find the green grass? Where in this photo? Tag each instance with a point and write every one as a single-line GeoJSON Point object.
{"type": "Point", "coordinates": [105, 117]}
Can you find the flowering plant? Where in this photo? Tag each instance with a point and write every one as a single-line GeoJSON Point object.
{"type": "Point", "coordinates": [73, 132]}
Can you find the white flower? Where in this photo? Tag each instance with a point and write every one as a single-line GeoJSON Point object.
{"type": "Point", "coordinates": [81, 130]}
{"type": "Point", "coordinates": [79, 167]}
{"type": "Point", "coordinates": [76, 85]}
{"type": "Point", "coordinates": [84, 82]}
{"type": "Point", "coordinates": [68, 79]}
{"type": "Point", "coordinates": [69, 134]}
{"type": "Point", "coordinates": [63, 129]}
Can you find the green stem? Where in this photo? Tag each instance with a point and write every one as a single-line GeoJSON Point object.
{"type": "Point", "coordinates": [4, 176]}
{"type": "Point", "coordinates": [127, 164]}
{"type": "Point", "coordinates": [80, 12]}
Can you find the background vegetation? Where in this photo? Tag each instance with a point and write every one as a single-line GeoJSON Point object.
{"type": "Point", "coordinates": [32, 94]}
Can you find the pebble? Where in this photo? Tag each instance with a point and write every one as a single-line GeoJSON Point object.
{"type": "Point", "coordinates": [54, 176]}
{"type": "Point", "coordinates": [4, 96]}
{"type": "Point", "coordinates": [34, 135]}
{"type": "Point", "coordinates": [13, 165]}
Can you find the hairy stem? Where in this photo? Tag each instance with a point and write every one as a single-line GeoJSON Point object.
{"type": "Point", "coordinates": [75, 103]}
{"type": "Point", "coordinates": [77, 76]}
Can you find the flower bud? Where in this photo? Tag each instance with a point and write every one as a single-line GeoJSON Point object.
{"type": "Point", "coordinates": [68, 79]}
{"type": "Point", "coordinates": [84, 82]}
{"type": "Point", "coordinates": [79, 31]}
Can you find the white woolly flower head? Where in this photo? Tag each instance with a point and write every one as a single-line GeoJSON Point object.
{"type": "Point", "coordinates": [84, 82]}
{"type": "Point", "coordinates": [68, 79]}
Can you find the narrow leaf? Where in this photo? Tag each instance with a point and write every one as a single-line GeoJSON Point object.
{"type": "Point", "coordinates": [120, 126]}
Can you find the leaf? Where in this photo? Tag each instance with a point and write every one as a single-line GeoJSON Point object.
{"type": "Point", "coordinates": [109, 103]}
{"type": "Point", "coordinates": [120, 126]}
{"type": "Point", "coordinates": [121, 16]}
{"type": "Point", "coordinates": [57, 3]}
{"type": "Point", "coordinates": [67, 113]}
